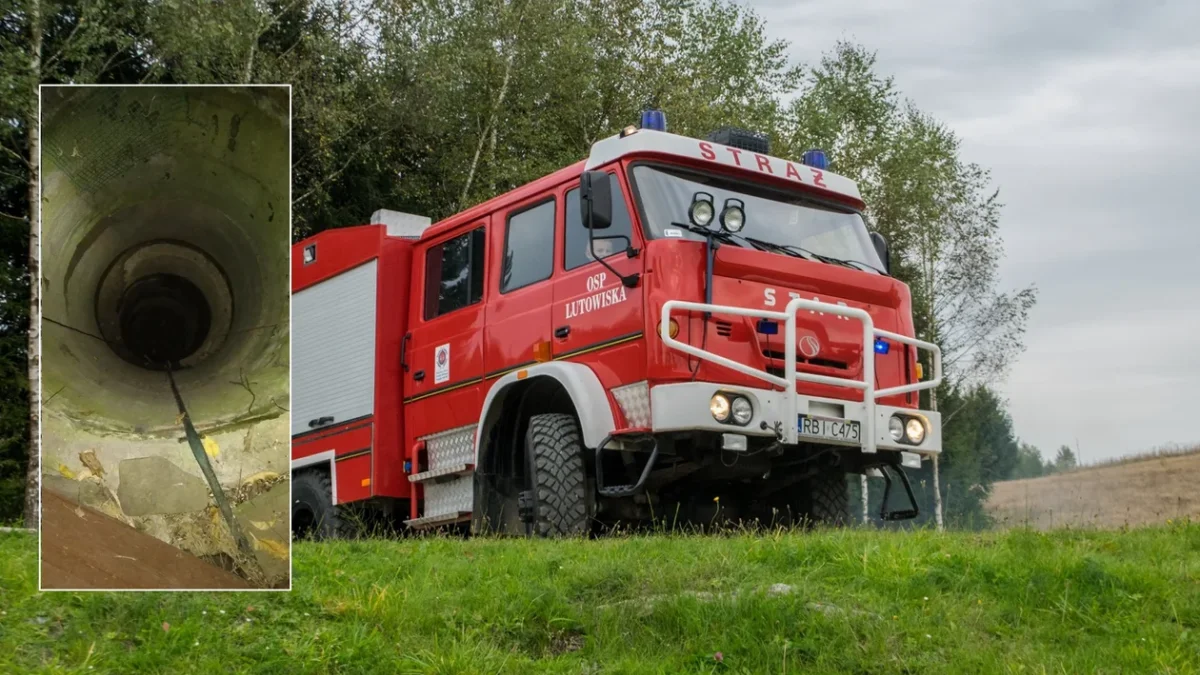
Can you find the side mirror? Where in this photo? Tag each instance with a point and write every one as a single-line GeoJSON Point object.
{"type": "Point", "coordinates": [595, 199]}
{"type": "Point", "coordinates": [881, 249]}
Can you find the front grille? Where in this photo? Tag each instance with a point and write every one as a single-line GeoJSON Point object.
{"type": "Point", "coordinates": [778, 355]}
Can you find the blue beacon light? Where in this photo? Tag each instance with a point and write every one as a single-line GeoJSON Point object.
{"type": "Point", "coordinates": [882, 346]}
{"type": "Point", "coordinates": [655, 120]}
{"type": "Point", "coordinates": [815, 158]}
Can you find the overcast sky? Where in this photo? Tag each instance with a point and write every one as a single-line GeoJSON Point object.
{"type": "Point", "coordinates": [1088, 115]}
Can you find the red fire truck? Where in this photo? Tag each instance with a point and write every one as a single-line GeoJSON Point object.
{"type": "Point", "coordinates": [677, 328]}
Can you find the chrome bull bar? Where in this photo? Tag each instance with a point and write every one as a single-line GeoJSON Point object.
{"type": "Point", "coordinates": [791, 375]}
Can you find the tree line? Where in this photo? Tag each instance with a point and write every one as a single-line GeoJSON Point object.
{"type": "Point", "coordinates": [1030, 463]}
{"type": "Point", "coordinates": [432, 106]}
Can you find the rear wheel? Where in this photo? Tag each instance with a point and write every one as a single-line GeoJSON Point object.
{"type": "Point", "coordinates": [554, 503]}
{"type": "Point", "coordinates": [313, 512]}
{"type": "Point", "coordinates": [820, 499]}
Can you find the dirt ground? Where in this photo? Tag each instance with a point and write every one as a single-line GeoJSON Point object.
{"type": "Point", "coordinates": [83, 548]}
{"type": "Point", "coordinates": [260, 505]}
{"type": "Point", "coordinates": [1140, 492]}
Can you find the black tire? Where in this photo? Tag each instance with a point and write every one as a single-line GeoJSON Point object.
{"type": "Point", "coordinates": [820, 499]}
{"type": "Point", "coordinates": [555, 476]}
{"type": "Point", "coordinates": [313, 511]}
{"type": "Point", "coordinates": [829, 498]}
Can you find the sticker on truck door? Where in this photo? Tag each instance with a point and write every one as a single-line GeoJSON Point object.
{"type": "Point", "coordinates": [441, 364]}
{"type": "Point", "coordinates": [598, 298]}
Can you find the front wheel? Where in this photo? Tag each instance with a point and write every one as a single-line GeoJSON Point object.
{"type": "Point", "coordinates": [555, 500]}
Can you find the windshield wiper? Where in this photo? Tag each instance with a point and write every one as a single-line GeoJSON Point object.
{"type": "Point", "coordinates": [862, 264]}
{"type": "Point", "coordinates": [795, 252]}
{"type": "Point", "coordinates": [811, 255]}
{"type": "Point", "coordinates": [852, 264]}
{"type": "Point", "coordinates": [732, 238]}
{"type": "Point", "coordinates": [769, 246]}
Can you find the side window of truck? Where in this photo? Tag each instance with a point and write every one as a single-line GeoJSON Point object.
{"type": "Point", "coordinates": [454, 274]}
{"type": "Point", "coordinates": [578, 251]}
{"type": "Point", "coordinates": [528, 247]}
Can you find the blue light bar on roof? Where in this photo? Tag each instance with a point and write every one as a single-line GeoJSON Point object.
{"type": "Point", "coordinates": [815, 158]}
{"type": "Point", "coordinates": [654, 119]}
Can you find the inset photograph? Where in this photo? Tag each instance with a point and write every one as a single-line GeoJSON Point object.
{"type": "Point", "coordinates": [165, 337]}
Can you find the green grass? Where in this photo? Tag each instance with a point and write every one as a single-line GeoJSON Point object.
{"type": "Point", "coordinates": [860, 602]}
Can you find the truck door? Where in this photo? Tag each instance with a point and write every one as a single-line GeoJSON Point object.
{"type": "Point", "coordinates": [593, 311]}
{"type": "Point", "coordinates": [444, 354]}
{"type": "Point", "coordinates": [519, 310]}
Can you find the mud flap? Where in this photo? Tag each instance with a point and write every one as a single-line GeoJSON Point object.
{"type": "Point", "coordinates": [526, 508]}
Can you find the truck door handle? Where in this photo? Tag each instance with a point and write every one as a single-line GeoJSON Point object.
{"type": "Point", "coordinates": [562, 332]}
{"type": "Point", "coordinates": [404, 351]}
{"type": "Point", "coordinates": [419, 375]}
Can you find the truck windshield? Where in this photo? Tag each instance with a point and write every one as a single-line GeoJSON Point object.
{"type": "Point", "coordinates": [771, 217]}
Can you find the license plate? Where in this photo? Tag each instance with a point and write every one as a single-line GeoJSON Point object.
{"type": "Point", "coordinates": [830, 429]}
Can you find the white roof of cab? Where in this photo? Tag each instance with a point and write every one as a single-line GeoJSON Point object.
{"type": "Point", "coordinates": [646, 141]}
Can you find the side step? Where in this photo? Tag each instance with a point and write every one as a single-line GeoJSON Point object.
{"type": "Point", "coordinates": [449, 482]}
{"type": "Point", "coordinates": [449, 495]}
{"type": "Point", "coordinates": [444, 519]}
{"type": "Point", "coordinates": [456, 470]}
{"type": "Point", "coordinates": [897, 514]}
{"type": "Point", "coordinates": [624, 490]}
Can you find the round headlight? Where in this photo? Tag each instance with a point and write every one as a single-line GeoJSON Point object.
{"type": "Point", "coordinates": [719, 407]}
{"type": "Point", "coordinates": [673, 328]}
{"type": "Point", "coordinates": [733, 219]}
{"type": "Point", "coordinates": [896, 428]}
{"type": "Point", "coordinates": [742, 411]}
{"type": "Point", "coordinates": [914, 431]}
{"type": "Point", "coordinates": [701, 212]}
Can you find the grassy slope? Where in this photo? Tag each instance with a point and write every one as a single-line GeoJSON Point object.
{"type": "Point", "coordinates": [889, 602]}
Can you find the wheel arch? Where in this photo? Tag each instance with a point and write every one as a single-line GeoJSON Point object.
{"type": "Point", "coordinates": [320, 461]}
{"type": "Point", "coordinates": [579, 382]}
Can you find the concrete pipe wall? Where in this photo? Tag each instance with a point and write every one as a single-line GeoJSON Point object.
{"type": "Point", "coordinates": [165, 243]}
{"type": "Point", "coordinates": [145, 185]}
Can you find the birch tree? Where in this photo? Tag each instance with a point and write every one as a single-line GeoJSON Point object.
{"type": "Point", "coordinates": [86, 41]}
{"type": "Point", "coordinates": [33, 149]}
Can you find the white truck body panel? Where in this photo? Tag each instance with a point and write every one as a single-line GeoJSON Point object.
{"type": "Point", "coordinates": [333, 348]}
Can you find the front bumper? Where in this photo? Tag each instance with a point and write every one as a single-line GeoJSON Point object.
{"type": "Point", "coordinates": [785, 408]}
{"type": "Point", "coordinates": [685, 407]}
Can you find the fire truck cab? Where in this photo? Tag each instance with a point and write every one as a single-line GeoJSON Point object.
{"type": "Point", "coordinates": [673, 328]}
